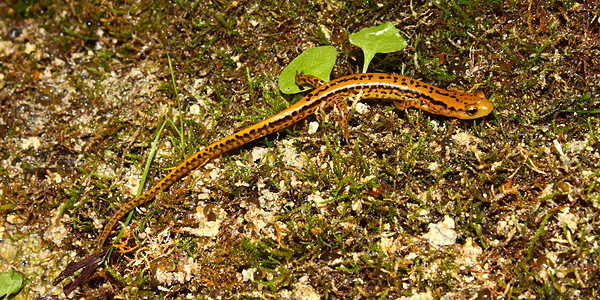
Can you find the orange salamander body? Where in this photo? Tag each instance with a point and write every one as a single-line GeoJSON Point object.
{"type": "Point", "coordinates": [405, 92]}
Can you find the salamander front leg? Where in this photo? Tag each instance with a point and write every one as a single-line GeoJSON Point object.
{"type": "Point", "coordinates": [339, 103]}
{"type": "Point", "coordinates": [402, 105]}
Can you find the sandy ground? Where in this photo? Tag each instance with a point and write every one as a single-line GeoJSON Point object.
{"type": "Point", "coordinates": [411, 205]}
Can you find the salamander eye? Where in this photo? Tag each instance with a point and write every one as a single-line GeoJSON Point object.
{"type": "Point", "coordinates": [471, 111]}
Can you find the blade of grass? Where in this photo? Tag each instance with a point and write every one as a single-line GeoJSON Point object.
{"type": "Point", "coordinates": [180, 132]}
{"type": "Point", "coordinates": [151, 156]}
{"type": "Point", "coordinates": [540, 232]}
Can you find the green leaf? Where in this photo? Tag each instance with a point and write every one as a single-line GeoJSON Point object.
{"type": "Point", "coordinates": [10, 283]}
{"type": "Point", "coordinates": [384, 38]}
{"type": "Point", "coordinates": [317, 61]}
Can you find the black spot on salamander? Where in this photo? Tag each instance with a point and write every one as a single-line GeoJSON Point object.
{"type": "Point", "coordinates": [301, 114]}
{"type": "Point", "coordinates": [409, 91]}
{"type": "Point", "coordinates": [314, 104]}
{"type": "Point", "coordinates": [442, 92]}
{"type": "Point", "coordinates": [433, 101]}
{"type": "Point", "coordinates": [261, 131]}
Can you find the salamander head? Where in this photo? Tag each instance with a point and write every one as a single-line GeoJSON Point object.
{"type": "Point", "coordinates": [473, 106]}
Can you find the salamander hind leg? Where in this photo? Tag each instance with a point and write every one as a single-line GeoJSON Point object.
{"type": "Point", "coordinates": [314, 81]}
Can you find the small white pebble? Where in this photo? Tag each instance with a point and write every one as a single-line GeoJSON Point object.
{"type": "Point", "coordinates": [312, 127]}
